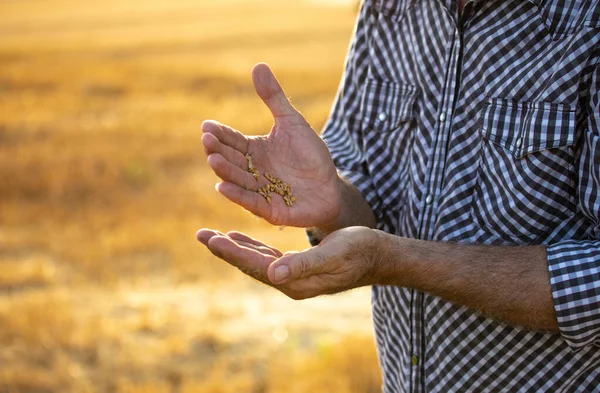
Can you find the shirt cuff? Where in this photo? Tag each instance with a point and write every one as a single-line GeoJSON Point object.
{"type": "Point", "coordinates": [574, 268]}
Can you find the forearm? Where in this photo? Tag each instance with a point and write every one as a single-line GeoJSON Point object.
{"type": "Point", "coordinates": [355, 211]}
{"type": "Point", "coordinates": [510, 284]}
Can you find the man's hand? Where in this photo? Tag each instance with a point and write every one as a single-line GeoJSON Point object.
{"type": "Point", "coordinates": [510, 284]}
{"type": "Point", "coordinates": [292, 151]}
{"type": "Point", "coordinates": [345, 259]}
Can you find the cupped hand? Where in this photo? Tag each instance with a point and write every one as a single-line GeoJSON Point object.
{"type": "Point", "coordinates": [346, 259]}
{"type": "Point", "coordinates": [292, 151]}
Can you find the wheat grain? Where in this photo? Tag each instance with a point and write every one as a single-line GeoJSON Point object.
{"type": "Point", "coordinates": [277, 186]}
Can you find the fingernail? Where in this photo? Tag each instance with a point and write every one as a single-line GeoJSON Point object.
{"type": "Point", "coordinates": [281, 273]}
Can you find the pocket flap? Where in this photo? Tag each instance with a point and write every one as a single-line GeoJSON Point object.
{"type": "Point", "coordinates": [386, 104]}
{"type": "Point", "coordinates": [527, 127]}
{"type": "Point", "coordinates": [564, 17]}
{"type": "Point", "coordinates": [393, 8]}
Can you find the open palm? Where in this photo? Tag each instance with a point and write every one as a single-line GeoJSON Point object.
{"type": "Point", "coordinates": [292, 151]}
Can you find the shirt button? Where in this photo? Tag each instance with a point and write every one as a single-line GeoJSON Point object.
{"type": "Point", "coordinates": [443, 117]}
{"type": "Point", "coordinates": [519, 143]}
{"type": "Point", "coordinates": [414, 360]}
{"type": "Point", "coordinates": [382, 116]}
{"type": "Point", "coordinates": [429, 199]}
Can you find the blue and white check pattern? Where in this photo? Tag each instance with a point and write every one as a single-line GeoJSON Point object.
{"type": "Point", "coordinates": [480, 128]}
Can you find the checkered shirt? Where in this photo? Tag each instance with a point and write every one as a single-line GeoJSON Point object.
{"type": "Point", "coordinates": [479, 127]}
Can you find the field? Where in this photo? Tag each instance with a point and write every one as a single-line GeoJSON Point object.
{"type": "Point", "coordinates": [103, 184]}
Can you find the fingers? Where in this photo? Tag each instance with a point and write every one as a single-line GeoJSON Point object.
{"type": "Point", "coordinates": [247, 254]}
{"type": "Point", "coordinates": [250, 242]}
{"type": "Point", "coordinates": [249, 200]}
{"type": "Point", "coordinates": [244, 238]}
{"type": "Point", "coordinates": [270, 91]}
{"type": "Point", "coordinates": [265, 250]}
{"type": "Point", "coordinates": [204, 235]}
{"type": "Point", "coordinates": [248, 260]}
{"type": "Point", "coordinates": [300, 275]}
{"type": "Point", "coordinates": [226, 135]}
{"type": "Point", "coordinates": [213, 145]}
{"type": "Point", "coordinates": [232, 173]}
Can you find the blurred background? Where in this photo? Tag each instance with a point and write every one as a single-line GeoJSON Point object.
{"type": "Point", "coordinates": [103, 184]}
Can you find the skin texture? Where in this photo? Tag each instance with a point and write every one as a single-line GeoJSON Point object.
{"type": "Point", "coordinates": [510, 284]}
{"type": "Point", "coordinates": [293, 152]}
{"type": "Point", "coordinates": [337, 264]}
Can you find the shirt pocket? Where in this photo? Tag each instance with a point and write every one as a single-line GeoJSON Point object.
{"type": "Point", "coordinates": [564, 17]}
{"type": "Point", "coordinates": [525, 182]}
{"type": "Point", "coordinates": [387, 113]}
{"type": "Point", "coordinates": [393, 8]}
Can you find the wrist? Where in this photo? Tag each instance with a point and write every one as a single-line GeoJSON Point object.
{"type": "Point", "coordinates": [353, 209]}
{"type": "Point", "coordinates": [368, 254]}
{"type": "Point", "coordinates": [396, 258]}
{"type": "Point", "coordinates": [336, 221]}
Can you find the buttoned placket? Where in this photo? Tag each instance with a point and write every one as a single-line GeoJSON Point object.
{"type": "Point", "coordinates": [433, 184]}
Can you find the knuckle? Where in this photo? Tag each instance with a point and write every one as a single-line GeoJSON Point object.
{"type": "Point", "coordinates": [304, 266]}
{"type": "Point", "coordinates": [320, 260]}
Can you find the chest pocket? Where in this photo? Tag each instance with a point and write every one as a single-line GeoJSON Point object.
{"type": "Point", "coordinates": [387, 130]}
{"type": "Point", "coordinates": [526, 173]}
{"type": "Point", "coordinates": [393, 8]}
{"type": "Point", "coordinates": [564, 17]}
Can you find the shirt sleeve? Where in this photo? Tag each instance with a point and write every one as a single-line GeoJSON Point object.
{"type": "Point", "coordinates": [342, 132]}
{"type": "Point", "coordinates": [575, 265]}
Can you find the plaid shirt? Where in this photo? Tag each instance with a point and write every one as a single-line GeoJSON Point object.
{"type": "Point", "coordinates": [481, 127]}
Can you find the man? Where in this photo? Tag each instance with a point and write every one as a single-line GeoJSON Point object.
{"type": "Point", "coordinates": [470, 138]}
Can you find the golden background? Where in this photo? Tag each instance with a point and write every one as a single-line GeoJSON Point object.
{"type": "Point", "coordinates": [104, 182]}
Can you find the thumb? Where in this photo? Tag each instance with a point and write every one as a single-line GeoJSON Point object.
{"type": "Point", "coordinates": [270, 91]}
{"type": "Point", "coordinates": [297, 265]}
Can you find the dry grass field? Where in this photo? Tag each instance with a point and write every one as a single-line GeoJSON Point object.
{"type": "Point", "coordinates": [103, 184]}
